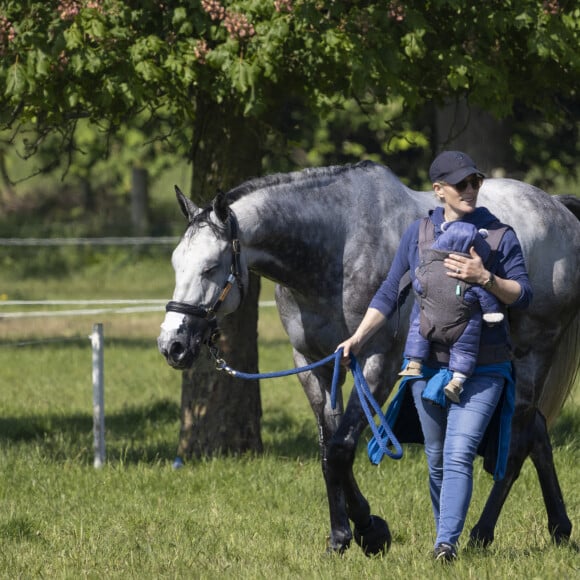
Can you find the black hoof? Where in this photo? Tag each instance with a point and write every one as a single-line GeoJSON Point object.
{"type": "Point", "coordinates": [337, 548]}
{"type": "Point", "coordinates": [561, 534]}
{"type": "Point", "coordinates": [480, 539]}
{"type": "Point", "coordinates": [374, 539]}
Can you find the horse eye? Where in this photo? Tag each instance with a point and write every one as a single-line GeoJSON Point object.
{"type": "Point", "coordinates": [209, 269]}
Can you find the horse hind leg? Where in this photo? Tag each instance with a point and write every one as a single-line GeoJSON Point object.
{"type": "Point", "coordinates": [559, 525]}
{"type": "Point", "coordinates": [483, 532]}
{"type": "Point", "coordinates": [564, 363]}
{"type": "Point", "coordinates": [528, 438]}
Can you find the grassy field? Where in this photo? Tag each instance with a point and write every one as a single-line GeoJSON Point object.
{"type": "Point", "coordinates": [236, 517]}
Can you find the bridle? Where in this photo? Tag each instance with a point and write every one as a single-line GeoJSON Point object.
{"type": "Point", "coordinates": [235, 276]}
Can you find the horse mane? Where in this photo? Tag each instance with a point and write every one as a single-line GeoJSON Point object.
{"type": "Point", "coordinates": [305, 176]}
{"type": "Point", "coordinates": [308, 175]}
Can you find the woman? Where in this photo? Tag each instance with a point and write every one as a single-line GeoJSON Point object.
{"type": "Point", "coordinates": [452, 433]}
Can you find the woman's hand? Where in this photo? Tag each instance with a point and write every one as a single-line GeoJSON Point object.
{"type": "Point", "coordinates": [372, 321]}
{"type": "Point", "coordinates": [470, 270]}
{"type": "Point", "coordinates": [350, 345]}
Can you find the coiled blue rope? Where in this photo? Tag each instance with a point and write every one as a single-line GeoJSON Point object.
{"type": "Point", "coordinates": [383, 436]}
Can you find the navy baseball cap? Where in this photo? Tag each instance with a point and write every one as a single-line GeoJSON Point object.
{"type": "Point", "coordinates": [452, 166]}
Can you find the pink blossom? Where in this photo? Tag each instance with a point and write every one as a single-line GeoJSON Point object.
{"type": "Point", "coordinates": [68, 9]}
{"type": "Point", "coordinates": [396, 11]}
{"type": "Point", "coordinates": [7, 33]}
{"type": "Point", "coordinates": [551, 7]}
{"type": "Point", "coordinates": [214, 8]}
{"type": "Point", "coordinates": [283, 5]}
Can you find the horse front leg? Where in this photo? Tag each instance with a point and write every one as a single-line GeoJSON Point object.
{"type": "Point", "coordinates": [338, 436]}
{"type": "Point", "coordinates": [371, 532]}
{"type": "Point", "coordinates": [328, 420]}
{"type": "Point", "coordinates": [340, 536]}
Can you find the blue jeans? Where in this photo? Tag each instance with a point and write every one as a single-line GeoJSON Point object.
{"type": "Point", "coordinates": [452, 436]}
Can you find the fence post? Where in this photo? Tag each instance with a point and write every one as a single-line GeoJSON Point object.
{"type": "Point", "coordinates": [98, 394]}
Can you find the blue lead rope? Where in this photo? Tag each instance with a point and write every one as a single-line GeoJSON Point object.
{"type": "Point", "coordinates": [382, 434]}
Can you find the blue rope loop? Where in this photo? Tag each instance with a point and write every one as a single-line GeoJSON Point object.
{"type": "Point", "coordinates": [365, 395]}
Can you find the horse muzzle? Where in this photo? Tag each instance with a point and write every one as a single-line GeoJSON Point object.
{"type": "Point", "coordinates": [180, 344]}
{"type": "Point", "coordinates": [179, 354]}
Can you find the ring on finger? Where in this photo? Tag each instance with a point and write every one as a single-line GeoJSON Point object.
{"type": "Point", "coordinates": [458, 270]}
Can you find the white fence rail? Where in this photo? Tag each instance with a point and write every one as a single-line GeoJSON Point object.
{"type": "Point", "coordinates": [127, 307]}
{"type": "Point", "coordinates": [113, 241]}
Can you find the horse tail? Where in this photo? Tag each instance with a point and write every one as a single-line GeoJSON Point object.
{"type": "Point", "coordinates": [564, 373]}
{"type": "Point", "coordinates": [570, 202]}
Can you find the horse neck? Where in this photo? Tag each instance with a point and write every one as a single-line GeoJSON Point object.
{"type": "Point", "coordinates": [284, 238]}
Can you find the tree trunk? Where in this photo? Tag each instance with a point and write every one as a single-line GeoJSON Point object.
{"type": "Point", "coordinates": [140, 201]}
{"type": "Point", "coordinates": [465, 127]}
{"type": "Point", "coordinates": [220, 413]}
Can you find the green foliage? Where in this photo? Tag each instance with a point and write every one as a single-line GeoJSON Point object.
{"type": "Point", "coordinates": [332, 81]}
{"type": "Point", "coordinates": [109, 59]}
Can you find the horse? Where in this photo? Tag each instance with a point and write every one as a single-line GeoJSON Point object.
{"type": "Point", "coordinates": [327, 236]}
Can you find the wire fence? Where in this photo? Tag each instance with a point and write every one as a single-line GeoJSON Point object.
{"type": "Point", "coordinates": [129, 307]}
{"type": "Point", "coordinates": [116, 306]}
{"type": "Point", "coordinates": [82, 307]}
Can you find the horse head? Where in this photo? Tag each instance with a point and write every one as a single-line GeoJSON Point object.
{"type": "Point", "coordinates": [210, 277]}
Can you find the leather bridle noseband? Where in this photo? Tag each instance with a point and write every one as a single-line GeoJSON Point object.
{"type": "Point", "coordinates": [235, 275]}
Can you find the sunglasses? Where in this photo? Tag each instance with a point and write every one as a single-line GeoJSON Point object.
{"type": "Point", "coordinates": [475, 181]}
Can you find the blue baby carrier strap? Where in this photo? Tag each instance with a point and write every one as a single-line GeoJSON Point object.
{"type": "Point", "coordinates": [437, 378]}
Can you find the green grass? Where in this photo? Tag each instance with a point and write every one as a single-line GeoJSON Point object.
{"type": "Point", "coordinates": [230, 517]}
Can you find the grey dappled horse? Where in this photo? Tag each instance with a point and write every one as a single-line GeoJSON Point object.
{"type": "Point", "coordinates": [327, 237]}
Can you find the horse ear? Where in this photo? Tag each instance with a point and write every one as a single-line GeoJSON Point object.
{"type": "Point", "coordinates": [188, 208]}
{"type": "Point", "coordinates": [220, 206]}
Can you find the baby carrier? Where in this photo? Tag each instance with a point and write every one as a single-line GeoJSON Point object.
{"type": "Point", "coordinates": [445, 302]}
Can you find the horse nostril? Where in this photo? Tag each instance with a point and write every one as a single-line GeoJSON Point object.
{"type": "Point", "coordinates": [176, 351]}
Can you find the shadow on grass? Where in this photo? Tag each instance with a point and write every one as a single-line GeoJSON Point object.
{"type": "Point", "coordinates": [65, 437]}
{"type": "Point", "coordinates": [129, 434]}
{"type": "Point", "coordinates": [284, 436]}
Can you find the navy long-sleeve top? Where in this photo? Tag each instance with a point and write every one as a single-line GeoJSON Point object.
{"type": "Point", "coordinates": [509, 264]}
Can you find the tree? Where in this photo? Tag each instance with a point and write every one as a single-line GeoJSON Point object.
{"type": "Point", "coordinates": [214, 78]}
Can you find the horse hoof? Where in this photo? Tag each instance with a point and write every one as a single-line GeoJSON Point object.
{"type": "Point", "coordinates": [479, 539]}
{"type": "Point", "coordinates": [374, 539]}
{"type": "Point", "coordinates": [337, 548]}
{"type": "Point", "coordinates": [561, 534]}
